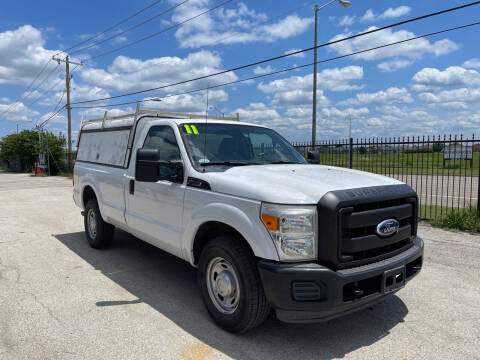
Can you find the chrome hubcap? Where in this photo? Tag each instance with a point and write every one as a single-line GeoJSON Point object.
{"type": "Point", "coordinates": [92, 223]}
{"type": "Point", "coordinates": [223, 286]}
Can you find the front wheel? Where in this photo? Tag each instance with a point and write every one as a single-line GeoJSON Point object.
{"type": "Point", "coordinates": [230, 285]}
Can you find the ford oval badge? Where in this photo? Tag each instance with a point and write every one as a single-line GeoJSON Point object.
{"type": "Point", "coordinates": [388, 227]}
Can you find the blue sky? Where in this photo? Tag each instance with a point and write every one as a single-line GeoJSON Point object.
{"type": "Point", "coordinates": [424, 87]}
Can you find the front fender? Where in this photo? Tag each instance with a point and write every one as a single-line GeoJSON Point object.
{"type": "Point", "coordinates": [247, 222]}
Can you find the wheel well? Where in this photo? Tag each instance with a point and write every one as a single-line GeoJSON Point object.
{"type": "Point", "coordinates": [88, 194]}
{"type": "Point", "coordinates": [209, 230]}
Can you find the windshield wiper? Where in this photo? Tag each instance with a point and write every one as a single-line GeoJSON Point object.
{"type": "Point", "coordinates": [230, 163]}
{"type": "Point", "coordinates": [284, 162]}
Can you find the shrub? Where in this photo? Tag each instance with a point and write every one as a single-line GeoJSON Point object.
{"type": "Point", "coordinates": [465, 220]}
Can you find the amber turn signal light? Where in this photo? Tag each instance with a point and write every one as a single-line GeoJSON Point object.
{"type": "Point", "coordinates": [271, 222]}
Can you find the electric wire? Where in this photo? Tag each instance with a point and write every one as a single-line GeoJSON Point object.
{"type": "Point", "coordinates": [26, 89]}
{"type": "Point", "coordinates": [241, 67]}
{"type": "Point", "coordinates": [111, 27]}
{"type": "Point", "coordinates": [56, 110]}
{"type": "Point", "coordinates": [131, 28]}
{"type": "Point", "coordinates": [291, 68]}
{"type": "Point", "coordinates": [158, 32]}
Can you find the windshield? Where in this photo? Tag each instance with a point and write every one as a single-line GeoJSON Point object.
{"type": "Point", "coordinates": [235, 145]}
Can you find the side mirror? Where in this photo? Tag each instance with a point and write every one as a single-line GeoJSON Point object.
{"type": "Point", "coordinates": [313, 157]}
{"type": "Point", "coordinates": [149, 167]}
{"type": "Point", "coordinates": [146, 167]}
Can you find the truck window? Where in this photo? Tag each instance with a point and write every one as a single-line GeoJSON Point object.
{"type": "Point", "coordinates": [215, 143]}
{"type": "Point", "coordinates": [163, 139]}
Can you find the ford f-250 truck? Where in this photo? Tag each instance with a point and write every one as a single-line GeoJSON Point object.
{"type": "Point", "coordinates": [265, 227]}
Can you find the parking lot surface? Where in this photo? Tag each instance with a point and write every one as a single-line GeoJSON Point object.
{"type": "Point", "coordinates": [60, 299]}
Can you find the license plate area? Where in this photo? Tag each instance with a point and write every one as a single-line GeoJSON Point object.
{"type": "Point", "coordinates": [393, 279]}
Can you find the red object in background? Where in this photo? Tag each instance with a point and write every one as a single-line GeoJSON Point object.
{"type": "Point", "coordinates": [36, 168]}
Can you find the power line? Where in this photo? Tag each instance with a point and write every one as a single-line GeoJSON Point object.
{"type": "Point", "coordinates": [43, 81]}
{"type": "Point", "coordinates": [284, 55]}
{"type": "Point", "coordinates": [72, 47]}
{"type": "Point", "coordinates": [52, 116]}
{"type": "Point", "coordinates": [158, 33]}
{"type": "Point", "coordinates": [259, 24]}
{"type": "Point", "coordinates": [131, 28]}
{"type": "Point", "coordinates": [55, 111]}
{"type": "Point", "coordinates": [292, 68]}
{"type": "Point", "coordinates": [27, 88]}
{"type": "Point", "coordinates": [50, 88]}
{"type": "Point", "coordinates": [111, 27]}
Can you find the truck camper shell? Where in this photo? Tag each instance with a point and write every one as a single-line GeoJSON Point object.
{"type": "Point", "coordinates": [113, 148]}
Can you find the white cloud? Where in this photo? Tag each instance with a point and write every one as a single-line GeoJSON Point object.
{"type": "Point", "coordinates": [389, 96]}
{"type": "Point", "coordinates": [368, 16]}
{"type": "Point", "coordinates": [258, 113]}
{"type": "Point", "coordinates": [54, 118]}
{"type": "Point", "coordinates": [262, 70]}
{"type": "Point", "coordinates": [17, 111]}
{"type": "Point", "coordinates": [128, 74]}
{"type": "Point", "coordinates": [299, 55]}
{"type": "Point", "coordinates": [22, 57]}
{"type": "Point", "coordinates": [333, 112]}
{"type": "Point", "coordinates": [451, 76]}
{"type": "Point", "coordinates": [233, 25]}
{"type": "Point", "coordinates": [396, 12]}
{"type": "Point", "coordinates": [390, 66]}
{"type": "Point", "coordinates": [411, 50]}
{"type": "Point", "coordinates": [346, 20]}
{"type": "Point", "coordinates": [390, 13]}
{"type": "Point", "coordinates": [297, 90]}
{"type": "Point", "coordinates": [465, 95]}
{"type": "Point", "coordinates": [99, 112]}
{"type": "Point", "coordinates": [335, 79]}
{"type": "Point", "coordinates": [472, 63]}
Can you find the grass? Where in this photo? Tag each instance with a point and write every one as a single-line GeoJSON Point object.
{"type": "Point", "coordinates": [464, 220]}
{"type": "Point", "coordinates": [405, 163]}
{"type": "Point", "coordinates": [432, 212]}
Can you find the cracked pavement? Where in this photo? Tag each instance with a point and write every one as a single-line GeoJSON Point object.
{"type": "Point", "coordinates": [60, 299]}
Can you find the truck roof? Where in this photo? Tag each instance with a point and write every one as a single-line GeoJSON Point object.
{"type": "Point", "coordinates": [178, 118]}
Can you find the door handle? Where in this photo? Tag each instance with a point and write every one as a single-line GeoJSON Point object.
{"type": "Point", "coordinates": [132, 187]}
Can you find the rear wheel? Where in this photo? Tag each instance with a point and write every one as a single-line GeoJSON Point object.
{"type": "Point", "coordinates": [230, 285]}
{"type": "Point", "coordinates": [99, 233]}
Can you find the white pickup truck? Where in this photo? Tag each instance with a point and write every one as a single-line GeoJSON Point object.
{"type": "Point", "coordinates": [265, 227]}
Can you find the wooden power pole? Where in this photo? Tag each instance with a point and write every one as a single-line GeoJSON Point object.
{"type": "Point", "coordinates": [68, 77]}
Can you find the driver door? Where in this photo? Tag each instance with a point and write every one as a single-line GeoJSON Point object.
{"type": "Point", "coordinates": [155, 209]}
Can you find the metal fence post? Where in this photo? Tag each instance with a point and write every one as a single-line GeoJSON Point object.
{"type": "Point", "coordinates": [350, 152]}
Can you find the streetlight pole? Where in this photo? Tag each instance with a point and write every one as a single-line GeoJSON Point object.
{"type": "Point", "coordinates": [345, 4]}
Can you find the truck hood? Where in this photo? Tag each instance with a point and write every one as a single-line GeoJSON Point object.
{"type": "Point", "coordinates": [290, 184]}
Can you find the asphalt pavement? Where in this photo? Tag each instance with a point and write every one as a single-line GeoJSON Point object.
{"type": "Point", "coordinates": [60, 299]}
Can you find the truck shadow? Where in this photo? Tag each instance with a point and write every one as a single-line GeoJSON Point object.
{"type": "Point", "coordinates": [169, 285]}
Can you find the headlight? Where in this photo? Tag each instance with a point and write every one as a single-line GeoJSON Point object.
{"type": "Point", "coordinates": [293, 230]}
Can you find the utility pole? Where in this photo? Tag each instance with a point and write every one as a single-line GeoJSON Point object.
{"type": "Point", "coordinates": [345, 4]}
{"type": "Point", "coordinates": [314, 108]}
{"type": "Point", "coordinates": [69, 115]}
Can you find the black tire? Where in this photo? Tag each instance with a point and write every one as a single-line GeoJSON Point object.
{"type": "Point", "coordinates": [252, 308]}
{"type": "Point", "coordinates": [103, 235]}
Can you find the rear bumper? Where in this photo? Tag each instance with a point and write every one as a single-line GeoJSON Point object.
{"type": "Point", "coordinates": [311, 292]}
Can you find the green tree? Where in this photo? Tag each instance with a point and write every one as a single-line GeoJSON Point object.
{"type": "Point", "coordinates": [26, 145]}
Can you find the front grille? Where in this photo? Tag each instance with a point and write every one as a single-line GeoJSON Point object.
{"type": "Point", "coordinates": [358, 241]}
{"type": "Point", "coordinates": [347, 221]}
